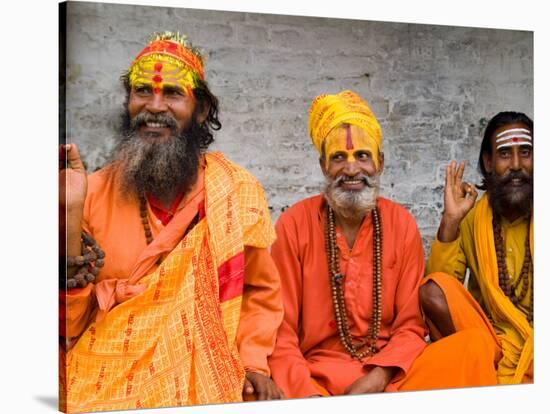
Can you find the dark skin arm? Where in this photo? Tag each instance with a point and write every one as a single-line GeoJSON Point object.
{"type": "Point", "coordinates": [262, 386]}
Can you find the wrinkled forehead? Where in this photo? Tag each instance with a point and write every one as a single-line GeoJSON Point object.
{"type": "Point", "coordinates": [512, 135]}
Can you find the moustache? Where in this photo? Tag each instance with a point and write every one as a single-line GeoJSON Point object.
{"type": "Point", "coordinates": [144, 118]}
{"type": "Point", "coordinates": [368, 181]}
{"type": "Point", "coordinates": [515, 175]}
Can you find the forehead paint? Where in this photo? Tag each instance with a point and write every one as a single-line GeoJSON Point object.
{"type": "Point", "coordinates": [349, 142]}
{"type": "Point", "coordinates": [161, 71]}
{"type": "Point", "coordinates": [349, 139]}
{"type": "Point", "coordinates": [514, 137]}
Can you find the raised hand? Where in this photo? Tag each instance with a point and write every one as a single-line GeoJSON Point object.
{"type": "Point", "coordinates": [73, 186]}
{"type": "Point", "coordinates": [73, 183]}
{"type": "Point", "coordinates": [459, 198]}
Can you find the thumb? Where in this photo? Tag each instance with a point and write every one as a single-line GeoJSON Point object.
{"type": "Point", "coordinates": [73, 158]}
{"type": "Point", "coordinates": [248, 388]}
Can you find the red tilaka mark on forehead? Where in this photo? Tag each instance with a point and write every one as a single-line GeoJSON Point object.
{"type": "Point", "coordinates": [156, 90]}
{"type": "Point", "coordinates": [515, 139]}
{"type": "Point", "coordinates": [157, 79]}
{"type": "Point", "coordinates": [158, 67]}
{"type": "Point", "coordinates": [349, 142]}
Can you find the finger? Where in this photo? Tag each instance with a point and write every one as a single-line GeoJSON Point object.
{"type": "Point", "coordinates": [451, 173]}
{"type": "Point", "coordinates": [460, 172]}
{"type": "Point", "coordinates": [261, 393]}
{"type": "Point", "coordinates": [73, 157]}
{"type": "Point", "coordinates": [474, 192]}
{"type": "Point", "coordinates": [447, 175]}
{"type": "Point", "coordinates": [248, 388]}
{"type": "Point", "coordinates": [274, 393]}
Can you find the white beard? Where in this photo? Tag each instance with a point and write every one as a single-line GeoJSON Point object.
{"type": "Point", "coordinates": [352, 204]}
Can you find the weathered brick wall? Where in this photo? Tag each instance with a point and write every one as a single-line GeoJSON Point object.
{"type": "Point", "coordinates": [432, 88]}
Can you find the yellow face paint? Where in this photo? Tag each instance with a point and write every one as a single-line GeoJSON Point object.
{"type": "Point", "coordinates": [159, 71]}
{"type": "Point", "coordinates": [349, 139]}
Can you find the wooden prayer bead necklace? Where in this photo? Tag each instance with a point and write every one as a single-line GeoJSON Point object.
{"type": "Point", "coordinates": [147, 225]}
{"type": "Point", "coordinates": [144, 219]}
{"type": "Point", "coordinates": [337, 288]}
{"type": "Point", "coordinates": [90, 262]}
{"type": "Point", "coordinates": [503, 275]}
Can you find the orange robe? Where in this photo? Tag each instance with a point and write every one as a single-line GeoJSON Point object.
{"type": "Point", "coordinates": [308, 345]}
{"type": "Point", "coordinates": [310, 360]}
{"type": "Point", "coordinates": [114, 222]}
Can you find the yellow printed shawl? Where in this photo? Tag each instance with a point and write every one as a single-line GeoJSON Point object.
{"type": "Point", "coordinates": [511, 324]}
{"type": "Point", "coordinates": [174, 344]}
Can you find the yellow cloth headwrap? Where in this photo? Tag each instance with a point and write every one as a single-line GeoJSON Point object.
{"type": "Point", "coordinates": [329, 111]}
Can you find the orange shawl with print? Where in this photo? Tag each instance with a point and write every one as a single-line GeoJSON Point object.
{"type": "Point", "coordinates": [513, 329]}
{"type": "Point", "coordinates": [174, 343]}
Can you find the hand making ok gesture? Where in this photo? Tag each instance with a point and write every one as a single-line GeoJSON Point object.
{"type": "Point", "coordinates": [459, 198]}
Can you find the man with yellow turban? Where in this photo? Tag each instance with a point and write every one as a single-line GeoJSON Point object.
{"type": "Point", "coordinates": [351, 263]}
{"type": "Point", "coordinates": [170, 296]}
{"type": "Point", "coordinates": [493, 238]}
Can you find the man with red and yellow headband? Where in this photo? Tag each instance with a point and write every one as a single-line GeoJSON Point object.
{"type": "Point", "coordinates": [493, 238]}
{"type": "Point", "coordinates": [351, 263]}
{"type": "Point", "coordinates": [171, 296]}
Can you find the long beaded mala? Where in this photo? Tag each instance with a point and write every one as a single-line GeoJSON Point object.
{"type": "Point", "coordinates": [503, 275]}
{"type": "Point", "coordinates": [337, 287]}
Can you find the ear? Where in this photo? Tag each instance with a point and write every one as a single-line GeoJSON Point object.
{"type": "Point", "coordinates": [203, 107]}
{"type": "Point", "coordinates": [487, 161]}
{"type": "Point", "coordinates": [380, 162]}
{"type": "Point", "coordinates": [322, 164]}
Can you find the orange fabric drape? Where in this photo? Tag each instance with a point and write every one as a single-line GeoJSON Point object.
{"type": "Point", "coordinates": [464, 359]}
{"type": "Point", "coordinates": [175, 342]}
{"type": "Point", "coordinates": [517, 334]}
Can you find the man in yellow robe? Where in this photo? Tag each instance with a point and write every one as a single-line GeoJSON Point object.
{"type": "Point", "coordinates": [171, 296]}
{"type": "Point", "coordinates": [493, 239]}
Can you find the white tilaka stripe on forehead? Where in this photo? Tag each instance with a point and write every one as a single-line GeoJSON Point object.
{"type": "Point", "coordinates": [511, 144]}
{"type": "Point", "coordinates": [512, 136]}
{"type": "Point", "coordinates": [508, 131]}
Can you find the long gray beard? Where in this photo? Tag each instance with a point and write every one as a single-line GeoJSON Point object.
{"type": "Point", "coordinates": [158, 168]}
{"type": "Point", "coordinates": [352, 204]}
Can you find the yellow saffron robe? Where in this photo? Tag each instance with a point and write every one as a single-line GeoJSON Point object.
{"type": "Point", "coordinates": [474, 249]}
{"type": "Point", "coordinates": [175, 343]}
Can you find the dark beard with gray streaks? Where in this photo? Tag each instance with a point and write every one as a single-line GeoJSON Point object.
{"type": "Point", "coordinates": [352, 204]}
{"type": "Point", "coordinates": [505, 198]}
{"type": "Point", "coordinates": [162, 169]}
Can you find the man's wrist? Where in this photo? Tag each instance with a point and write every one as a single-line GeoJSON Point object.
{"type": "Point", "coordinates": [449, 228]}
{"type": "Point", "coordinates": [385, 373]}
